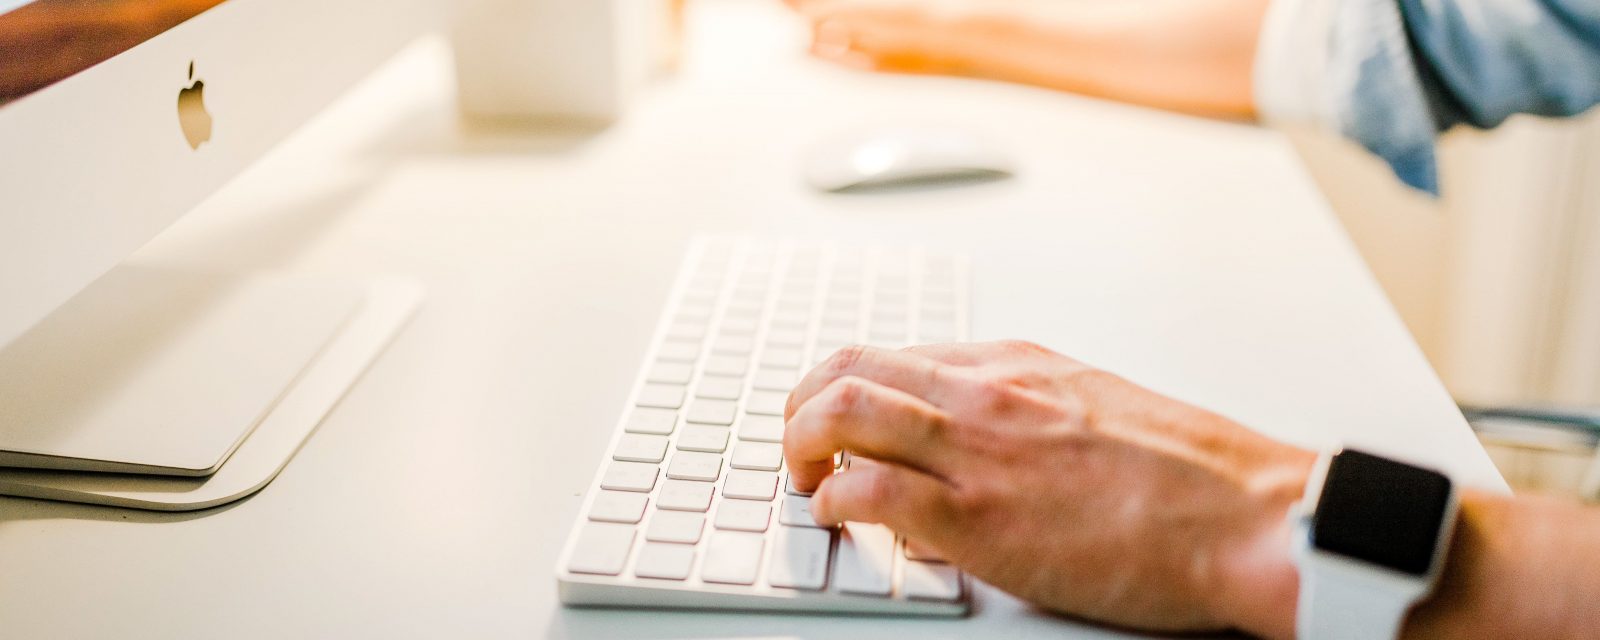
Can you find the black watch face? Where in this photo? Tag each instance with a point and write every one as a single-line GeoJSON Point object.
{"type": "Point", "coordinates": [1380, 511]}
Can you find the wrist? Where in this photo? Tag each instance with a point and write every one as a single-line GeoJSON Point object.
{"type": "Point", "coordinates": [1257, 578]}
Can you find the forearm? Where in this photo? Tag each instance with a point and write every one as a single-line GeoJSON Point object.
{"type": "Point", "coordinates": [1518, 567]}
{"type": "Point", "coordinates": [1188, 55]}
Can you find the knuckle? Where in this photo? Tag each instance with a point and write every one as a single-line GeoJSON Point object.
{"type": "Point", "coordinates": [844, 395]}
{"type": "Point", "coordinates": [1089, 380]}
{"type": "Point", "coordinates": [995, 390]}
{"type": "Point", "coordinates": [997, 394]}
{"type": "Point", "coordinates": [1014, 378]}
{"type": "Point", "coordinates": [846, 358]}
{"type": "Point", "coordinates": [936, 425]}
{"type": "Point", "coordinates": [967, 502]}
{"type": "Point", "coordinates": [1022, 347]}
{"type": "Point", "coordinates": [937, 374]}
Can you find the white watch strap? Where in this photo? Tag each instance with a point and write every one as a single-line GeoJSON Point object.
{"type": "Point", "coordinates": [1337, 604]}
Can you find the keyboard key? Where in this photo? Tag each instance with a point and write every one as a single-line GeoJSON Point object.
{"type": "Point", "coordinates": [788, 487]}
{"type": "Point", "coordinates": [732, 557]}
{"type": "Point", "coordinates": [675, 526]}
{"type": "Point", "coordinates": [938, 314]}
{"type": "Point", "coordinates": [768, 403]}
{"type": "Point", "coordinates": [733, 345]}
{"type": "Point", "coordinates": [866, 559]}
{"type": "Point", "coordinates": [895, 311]}
{"type": "Point", "coordinates": [694, 313]}
{"type": "Point", "coordinates": [799, 558]}
{"type": "Point", "coordinates": [776, 379]}
{"type": "Point", "coordinates": [688, 465]}
{"type": "Point", "coordinates": [941, 331]}
{"type": "Point", "coordinates": [743, 515]}
{"type": "Point", "coordinates": [796, 512]}
{"type": "Point", "coordinates": [707, 280]}
{"type": "Point", "coordinates": [759, 428]}
{"type": "Point", "coordinates": [888, 331]}
{"type": "Point", "coordinates": [750, 485]}
{"type": "Point", "coordinates": [670, 372]}
{"type": "Point", "coordinates": [727, 365]}
{"type": "Point", "coordinates": [747, 306]}
{"type": "Point", "coordinates": [720, 388]}
{"type": "Point", "coordinates": [738, 325]}
{"type": "Point", "coordinates": [602, 548]}
{"type": "Point", "coordinates": [931, 581]}
{"type": "Point", "coordinates": [840, 318]}
{"type": "Point", "coordinates": [677, 351]}
{"type": "Point", "coordinates": [686, 331]}
{"type": "Point", "coordinates": [618, 506]}
{"type": "Point", "coordinates": [635, 447]}
{"type": "Point", "coordinates": [760, 456]}
{"type": "Point", "coordinates": [701, 294]}
{"type": "Point", "coordinates": [917, 551]}
{"type": "Point", "coordinates": [835, 335]}
{"type": "Point", "coordinates": [664, 560]}
{"type": "Point", "coordinates": [630, 476]}
{"type": "Point", "coordinates": [786, 338]}
{"type": "Point", "coordinates": [792, 321]}
{"type": "Point", "coordinates": [683, 495]}
{"type": "Point", "coordinates": [718, 412]}
{"type": "Point", "coordinates": [781, 357]}
{"type": "Point", "coordinates": [937, 304]}
{"type": "Point", "coordinates": [753, 288]}
{"type": "Point", "coordinates": [703, 438]}
{"type": "Point", "coordinates": [661, 396]}
{"type": "Point", "coordinates": [651, 421]}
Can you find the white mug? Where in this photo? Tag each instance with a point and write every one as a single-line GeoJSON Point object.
{"type": "Point", "coordinates": [553, 59]}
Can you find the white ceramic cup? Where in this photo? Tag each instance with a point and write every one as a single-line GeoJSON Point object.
{"type": "Point", "coordinates": [552, 59]}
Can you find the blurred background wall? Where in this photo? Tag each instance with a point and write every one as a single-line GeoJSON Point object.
{"type": "Point", "coordinates": [1499, 279]}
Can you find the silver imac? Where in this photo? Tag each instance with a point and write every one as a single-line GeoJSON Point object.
{"type": "Point", "coordinates": [119, 116]}
{"type": "Point", "coordinates": [136, 386]}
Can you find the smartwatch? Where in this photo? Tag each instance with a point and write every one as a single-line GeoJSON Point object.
{"type": "Point", "coordinates": [1371, 536]}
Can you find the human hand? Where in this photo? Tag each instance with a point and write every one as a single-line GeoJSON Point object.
{"type": "Point", "coordinates": [1062, 484]}
{"type": "Point", "coordinates": [915, 36]}
{"type": "Point", "coordinates": [1196, 56]}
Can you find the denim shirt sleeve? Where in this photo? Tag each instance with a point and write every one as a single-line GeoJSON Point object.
{"type": "Point", "coordinates": [1392, 74]}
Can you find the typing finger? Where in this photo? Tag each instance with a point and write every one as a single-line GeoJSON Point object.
{"type": "Point", "coordinates": [904, 499]}
{"type": "Point", "coordinates": [862, 417]}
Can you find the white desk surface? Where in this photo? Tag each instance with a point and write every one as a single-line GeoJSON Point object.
{"type": "Point", "coordinates": [1193, 256]}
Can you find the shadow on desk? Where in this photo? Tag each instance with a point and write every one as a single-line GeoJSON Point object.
{"type": "Point", "coordinates": [18, 510]}
{"type": "Point", "coordinates": [439, 130]}
{"type": "Point", "coordinates": [994, 614]}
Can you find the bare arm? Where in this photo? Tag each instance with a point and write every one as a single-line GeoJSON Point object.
{"type": "Point", "coordinates": [1527, 567]}
{"type": "Point", "coordinates": [1087, 495]}
{"type": "Point", "coordinates": [1188, 55]}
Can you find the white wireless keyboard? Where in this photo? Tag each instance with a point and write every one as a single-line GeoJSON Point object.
{"type": "Point", "coordinates": [692, 506]}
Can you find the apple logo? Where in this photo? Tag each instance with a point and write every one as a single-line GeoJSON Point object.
{"type": "Point", "coordinates": [192, 114]}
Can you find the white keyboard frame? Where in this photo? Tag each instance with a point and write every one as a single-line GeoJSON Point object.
{"type": "Point", "coordinates": [627, 590]}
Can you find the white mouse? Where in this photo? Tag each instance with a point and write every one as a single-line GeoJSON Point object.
{"type": "Point", "coordinates": [903, 157]}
